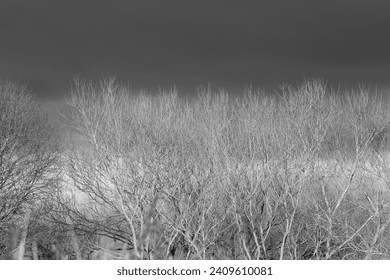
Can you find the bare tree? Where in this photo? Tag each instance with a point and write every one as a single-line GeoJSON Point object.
{"type": "Point", "coordinates": [301, 176]}
{"type": "Point", "coordinates": [28, 154]}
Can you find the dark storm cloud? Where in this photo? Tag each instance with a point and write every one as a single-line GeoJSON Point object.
{"type": "Point", "coordinates": [228, 42]}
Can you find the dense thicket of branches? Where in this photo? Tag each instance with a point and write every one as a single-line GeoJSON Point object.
{"type": "Point", "coordinates": [300, 176]}
{"type": "Point", "coordinates": [28, 158]}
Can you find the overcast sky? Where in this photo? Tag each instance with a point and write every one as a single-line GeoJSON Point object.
{"type": "Point", "coordinates": [161, 43]}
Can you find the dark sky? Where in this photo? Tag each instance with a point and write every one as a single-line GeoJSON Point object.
{"type": "Point", "coordinates": [161, 43]}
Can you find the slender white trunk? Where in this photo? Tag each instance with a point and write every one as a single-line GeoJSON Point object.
{"type": "Point", "coordinates": [22, 243]}
{"type": "Point", "coordinates": [34, 248]}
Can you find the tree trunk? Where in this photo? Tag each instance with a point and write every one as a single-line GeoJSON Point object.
{"type": "Point", "coordinates": [34, 249]}
{"type": "Point", "coordinates": [22, 243]}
